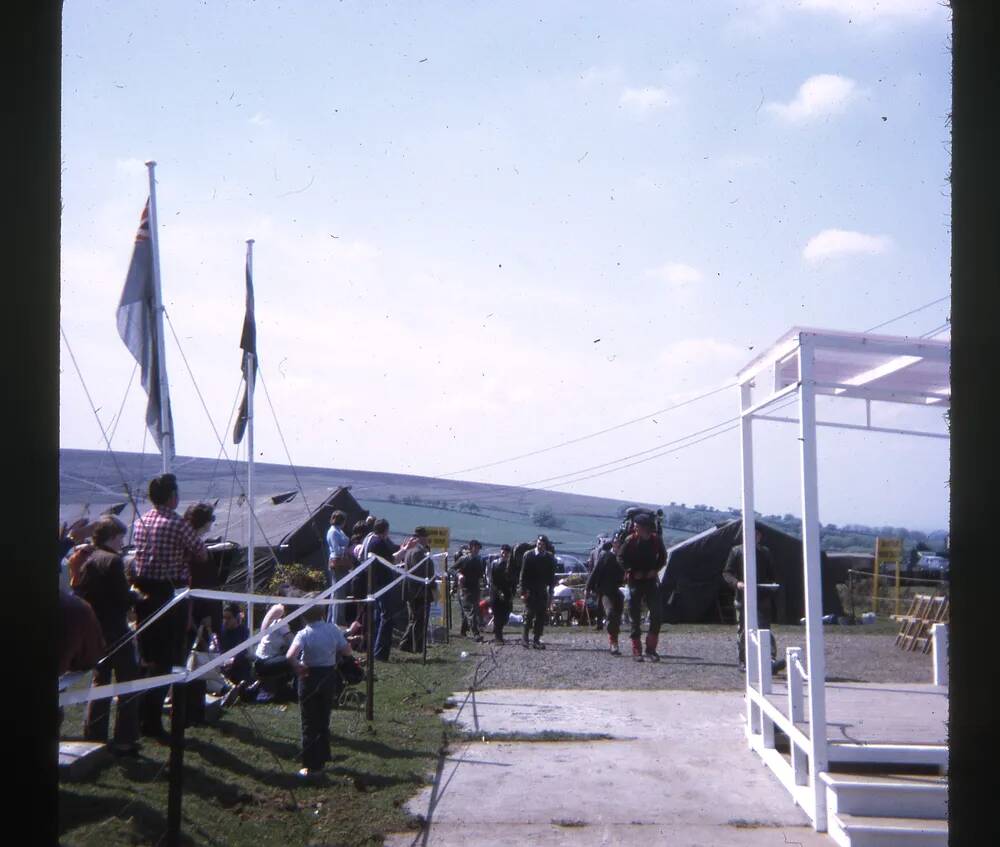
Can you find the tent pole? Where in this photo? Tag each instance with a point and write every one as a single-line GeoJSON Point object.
{"type": "Point", "coordinates": [818, 755]}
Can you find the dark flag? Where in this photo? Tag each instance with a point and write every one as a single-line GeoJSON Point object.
{"type": "Point", "coordinates": [139, 329]}
{"type": "Point", "coordinates": [248, 342]}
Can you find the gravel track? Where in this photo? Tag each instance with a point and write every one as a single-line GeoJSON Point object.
{"type": "Point", "coordinates": [695, 658]}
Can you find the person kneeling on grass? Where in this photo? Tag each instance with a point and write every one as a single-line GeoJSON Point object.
{"type": "Point", "coordinates": [314, 654]}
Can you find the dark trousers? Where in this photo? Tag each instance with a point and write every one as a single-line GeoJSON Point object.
{"type": "Point", "coordinates": [274, 673]}
{"type": "Point", "coordinates": [470, 610]}
{"type": "Point", "coordinates": [764, 617]}
{"type": "Point", "coordinates": [644, 591]}
{"type": "Point", "coordinates": [122, 663]}
{"type": "Point", "coordinates": [161, 647]}
{"type": "Point", "coordinates": [501, 612]}
{"type": "Point", "coordinates": [318, 691]}
{"type": "Point", "coordinates": [416, 626]}
{"type": "Point", "coordinates": [341, 610]}
{"type": "Point", "coordinates": [385, 613]}
{"type": "Point", "coordinates": [612, 605]}
{"type": "Point", "coordinates": [535, 610]}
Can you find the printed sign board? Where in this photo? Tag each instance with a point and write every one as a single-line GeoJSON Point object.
{"type": "Point", "coordinates": [439, 537]}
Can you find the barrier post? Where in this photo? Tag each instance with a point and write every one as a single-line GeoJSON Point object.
{"type": "Point", "coordinates": [175, 789]}
{"type": "Point", "coordinates": [447, 601]}
{"type": "Point", "coordinates": [370, 649]}
{"type": "Point", "coordinates": [425, 614]}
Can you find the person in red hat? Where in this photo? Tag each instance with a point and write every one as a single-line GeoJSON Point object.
{"type": "Point", "coordinates": [641, 555]}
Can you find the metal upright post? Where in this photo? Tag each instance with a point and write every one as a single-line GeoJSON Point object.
{"type": "Point", "coordinates": [425, 613]}
{"type": "Point", "coordinates": [370, 645]}
{"type": "Point", "coordinates": [175, 788]}
{"type": "Point", "coordinates": [446, 593]}
{"type": "Point", "coordinates": [818, 755]}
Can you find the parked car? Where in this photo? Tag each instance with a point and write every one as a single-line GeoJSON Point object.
{"type": "Point", "coordinates": [570, 565]}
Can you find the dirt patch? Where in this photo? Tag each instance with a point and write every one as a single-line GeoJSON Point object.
{"type": "Point", "coordinates": [694, 658]}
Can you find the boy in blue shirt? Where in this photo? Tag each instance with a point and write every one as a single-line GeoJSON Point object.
{"type": "Point", "coordinates": [314, 654]}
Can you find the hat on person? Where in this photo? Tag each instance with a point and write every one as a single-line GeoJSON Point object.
{"type": "Point", "coordinates": [544, 539]}
{"type": "Point", "coordinates": [643, 520]}
{"type": "Point", "coordinates": [420, 532]}
{"type": "Point", "coordinates": [474, 543]}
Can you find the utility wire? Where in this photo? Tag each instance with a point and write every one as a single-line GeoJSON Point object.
{"type": "Point", "coordinates": [590, 435]}
{"type": "Point", "coordinates": [911, 312]}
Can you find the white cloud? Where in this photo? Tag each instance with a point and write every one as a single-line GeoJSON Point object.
{"type": "Point", "coordinates": [643, 100]}
{"type": "Point", "coordinates": [834, 243]}
{"type": "Point", "coordinates": [819, 96]}
{"type": "Point", "coordinates": [677, 273]}
{"type": "Point", "coordinates": [260, 119]}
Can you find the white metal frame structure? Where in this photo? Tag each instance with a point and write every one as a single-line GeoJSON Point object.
{"type": "Point", "coordinates": [810, 362]}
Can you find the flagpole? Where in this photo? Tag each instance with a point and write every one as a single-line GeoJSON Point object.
{"type": "Point", "coordinates": [251, 371]}
{"type": "Point", "coordinates": [167, 444]}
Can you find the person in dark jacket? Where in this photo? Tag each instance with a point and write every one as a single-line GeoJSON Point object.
{"type": "Point", "coordinates": [471, 569]}
{"type": "Point", "coordinates": [605, 583]}
{"type": "Point", "coordinates": [538, 579]}
{"type": "Point", "coordinates": [641, 555]}
{"type": "Point", "coordinates": [104, 586]}
{"type": "Point", "coordinates": [379, 543]}
{"type": "Point", "coordinates": [418, 563]}
{"type": "Point", "coordinates": [732, 573]}
{"type": "Point", "coordinates": [501, 592]}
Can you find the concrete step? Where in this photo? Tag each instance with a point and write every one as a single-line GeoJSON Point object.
{"type": "Point", "coordinates": [866, 831]}
{"type": "Point", "coordinates": [898, 795]}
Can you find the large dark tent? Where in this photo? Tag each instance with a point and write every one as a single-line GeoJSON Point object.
{"type": "Point", "coordinates": [694, 591]}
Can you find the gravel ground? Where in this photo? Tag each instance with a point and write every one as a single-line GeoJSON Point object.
{"type": "Point", "coordinates": [696, 658]}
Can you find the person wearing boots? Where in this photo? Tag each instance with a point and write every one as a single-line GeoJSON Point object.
{"type": "Point", "coordinates": [732, 573]}
{"type": "Point", "coordinates": [501, 592]}
{"type": "Point", "coordinates": [471, 569]}
{"type": "Point", "coordinates": [605, 582]}
{"type": "Point", "coordinates": [538, 581]}
{"type": "Point", "coordinates": [641, 555]}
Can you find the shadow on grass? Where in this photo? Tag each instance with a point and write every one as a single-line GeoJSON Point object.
{"type": "Point", "coordinates": [218, 756]}
{"type": "Point", "coordinates": [374, 748]}
{"type": "Point", "coordinates": [246, 734]}
{"type": "Point", "coordinates": [76, 811]}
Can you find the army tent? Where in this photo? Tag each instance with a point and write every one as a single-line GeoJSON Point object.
{"type": "Point", "coordinates": [694, 591]}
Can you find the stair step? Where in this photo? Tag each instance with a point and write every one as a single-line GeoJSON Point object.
{"type": "Point", "coordinates": [923, 797]}
{"type": "Point", "coordinates": [868, 831]}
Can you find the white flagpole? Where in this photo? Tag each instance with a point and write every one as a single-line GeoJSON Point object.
{"type": "Point", "coordinates": [251, 371]}
{"type": "Point", "coordinates": [167, 440]}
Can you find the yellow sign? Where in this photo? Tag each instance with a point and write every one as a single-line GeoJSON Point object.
{"type": "Point", "coordinates": [888, 550]}
{"type": "Point", "coordinates": [438, 537]}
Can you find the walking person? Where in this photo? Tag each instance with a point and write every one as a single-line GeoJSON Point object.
{"type": "Point", "coordinates": [605, 582]}
{"type": "Point", "coordinates": [538, 581]}
{"type": "Point", "coordinates": [165, 544]}
{"type": "Point", "coordinates": [102, 583]}
{"type": "Point", "coordinates": [314, 654]}
{"type": "Point", "coordinates": [641, 555]}
{"type": "Point", "coordinates": [501, 592]}
{"type": "Point", "coordinates": [732, 573]}
{"type": "Point", "coordinates": [471, 569]}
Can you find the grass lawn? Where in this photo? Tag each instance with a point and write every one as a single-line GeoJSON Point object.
{"type": "Point", "coordinates": [240, 783]}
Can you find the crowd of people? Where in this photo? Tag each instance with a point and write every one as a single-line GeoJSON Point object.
{"type": "Point", "coordinates": [309, 657]}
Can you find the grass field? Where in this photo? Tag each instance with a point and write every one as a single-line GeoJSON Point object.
{"type": "Point", "coordinates": [240, 783]}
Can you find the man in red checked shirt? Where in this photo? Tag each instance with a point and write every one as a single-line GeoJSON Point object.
{"type": "Point", "coordinates": [164, 544]}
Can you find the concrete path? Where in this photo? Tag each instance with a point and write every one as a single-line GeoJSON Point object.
{"type": "Point", "coordinates": [647, 767]}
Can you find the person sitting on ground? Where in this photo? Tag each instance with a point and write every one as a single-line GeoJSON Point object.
{"type": "Point", "coordinates": [234, 632]}
{"type": "Point", "coordinates": [103, 585]}
{"type": "Point", "coordinates": [313, 656]}
{"type": "Point", "coordinates": [270, 665]}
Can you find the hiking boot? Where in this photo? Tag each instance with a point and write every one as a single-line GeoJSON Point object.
{"type": "Point", "coordinates": [651, 642]}
{"type": "Point", "coordinates": [525, 643]}
{"type": "Point", "coordinates": [613, 644]}
{"type": "Point", "coordinates": [652, 655]}
{"type": "Point", "coordinates": [538, 645]}
{"type": "Point", "coordinates": [778, 666]}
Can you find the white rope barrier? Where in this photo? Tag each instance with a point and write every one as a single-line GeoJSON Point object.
{"type": "Point", "coordinates": [73, 695]}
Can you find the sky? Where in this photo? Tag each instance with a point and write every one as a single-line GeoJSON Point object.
{"type": "Point", "coordinates": [482, 230]}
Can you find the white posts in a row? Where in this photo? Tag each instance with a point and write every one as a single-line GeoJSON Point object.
{"type": "Point", "coordinates": [939, 652]}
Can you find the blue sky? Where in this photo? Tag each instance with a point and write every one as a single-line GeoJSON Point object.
{"type": "Point", "coordinates": [452, 202]}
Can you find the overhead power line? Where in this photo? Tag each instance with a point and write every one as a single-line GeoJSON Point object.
{"type": "Point", "coordinates": [911, 312]}
{"type": "Point", "coordinates": [590, 435]}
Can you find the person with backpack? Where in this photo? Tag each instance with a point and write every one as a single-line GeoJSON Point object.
{"type": "Point", "coordinates": [641, 556]}
{"type": "Point", "coordinates": [605, 583]}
